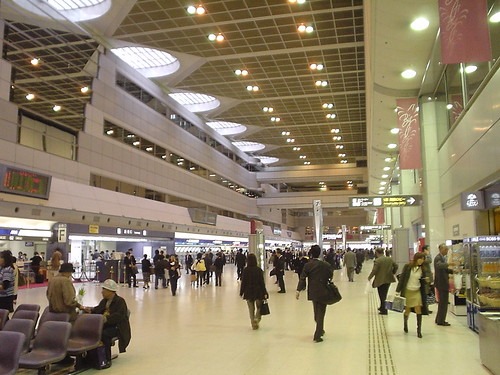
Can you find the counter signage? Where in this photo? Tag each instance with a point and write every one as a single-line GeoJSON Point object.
{"type": "Point", "coordinates": [93, 229]}
{"type": "Point", "coordinates": [385, 201]}
{"type": "Point", "coordinates": [473, 200]}
{"type": "Point", "coordinates": [492, 197]}
{"type": "Point", "coordinates": [374, 227]}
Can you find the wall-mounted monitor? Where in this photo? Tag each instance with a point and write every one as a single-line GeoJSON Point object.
{"type": "Point", "coordinates": [24, 182]}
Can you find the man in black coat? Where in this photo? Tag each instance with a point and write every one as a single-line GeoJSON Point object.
{"type": "Point", "coordinates": [318, 274]}
{"type": "Point", "coordinates": [116, 318]}
{"type": "Point", "coordinates": [441, 271]}
{"type": "Point", "coordinates": [279, 266]}
{"type": "Point", "coordinates": [240, 261]}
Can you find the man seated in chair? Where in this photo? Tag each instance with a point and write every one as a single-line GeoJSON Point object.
{"type": "Point", "coordinates": [116, 322]}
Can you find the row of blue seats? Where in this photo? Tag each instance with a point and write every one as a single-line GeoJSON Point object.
{"type": "Point", "coordinates": [54, 339]}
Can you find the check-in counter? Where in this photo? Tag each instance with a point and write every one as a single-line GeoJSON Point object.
{"type": "Point", "coordinates": [489, 340]}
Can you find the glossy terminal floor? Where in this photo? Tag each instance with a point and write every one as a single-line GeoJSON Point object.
{"type": "Point", "coordinates": [207, 331]}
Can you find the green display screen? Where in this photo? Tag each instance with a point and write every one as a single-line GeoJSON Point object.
{"type": "Point", "coordinates": [23, 182]}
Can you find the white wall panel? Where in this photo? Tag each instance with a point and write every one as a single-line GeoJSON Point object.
{"type": "Point", "coordinates": [471, 154]}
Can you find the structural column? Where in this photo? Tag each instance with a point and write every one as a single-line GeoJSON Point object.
{"type": "Point", "coordinates": [431, 190]}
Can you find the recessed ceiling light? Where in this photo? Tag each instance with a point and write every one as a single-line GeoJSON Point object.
{"type": "Point", "coordinates": [302, 157]}
{"type": "Point", "coordinates": [337, 138]}
{"type": "Point", "coordinates": [342, 155]}
{"type": "Point", "coordinates": [290, 140]}
{"type": "Point", "coordinates": [275, 119]}
{"type": "Point", "coordinates": [307, 162]}
{"type": "Point", "coordinates": [395, 130]}
{"type": "Point", "coordinates": [327, 105]}
{"type": "Point", "coordinates": [110, 132]}
{"type": "Point", "coordinates": [285, 132]}
{"type": "Point", "coordinates": [383, 182]}
{"type": "Point", "coordinates": [219, 37]}
{"type": "Point", "coordinates": [385, 175]}
{"type": "Point", "coordinates": [331, 115]}
{"type": "Point", "coordinates": [339, 147]}
{"type": "Point", "coordinates": [335, 131]}
{"type": "Point", "coordinates": [84, 90]}
{"type": "Point", "coordinates": [419, 24]}
{"type": "Point", "coordinates": [305, 28]}
{"type": "Point", "coordinates": [56, 108]}
{"type": "Point", "coordinates": [30, 96]}
{"type": "Point", "coordinates": [136, 143]}
{"type": "Point", "coordinates": [149, 149]}
{"type": "Point", "coordinates": [268, 109]}
{"type": "Point", "coordinates": [241, 72]}
{"type": "Point", "coordinates": [449, 106]}
{"type": "Point", "coordinates": [296, 149]}
{"type": "Point", "coordinates": [35, 61]}
{"type": "Point", "coordinates": [321, 83]}
{"type": "Point", "coordinates": [387, 160]}
{"type": "Point", "coordinates": [408, 73]}
{"type": "Point", "coordinates": [495, 17]}
{"type": "Point", "coordinates": [387, 168]}
{"type": "Point", "coordinates": [315, 66]}
{"type": "Point", "coordinates": [343, 161]}
{"type": "Point", "coordinates": [392, 145]}
{"type": "Point", "coordinates": [470, 69]}
{"type": "Point", "coordinates": [252, 88]}
{"type": "Point", "coordinates": [297, 1]}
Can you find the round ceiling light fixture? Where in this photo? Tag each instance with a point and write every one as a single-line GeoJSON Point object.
{"type": "Point", "coordinates": [408, 74]}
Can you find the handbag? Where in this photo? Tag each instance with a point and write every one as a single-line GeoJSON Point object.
{"type": "Point", "coordinates": [264, 308]}
{"type": "Point", "coordinates": [333, 294]}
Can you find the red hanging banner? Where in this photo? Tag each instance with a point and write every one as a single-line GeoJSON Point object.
{"type": "Point", "coordinates": [464, 31]}
{"type": "Point", "coordinates": [380, 216]}
{"type": "Point", "coordinates": [409, 134]}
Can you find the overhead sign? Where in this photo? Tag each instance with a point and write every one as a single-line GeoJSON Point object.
{"type": "Point", "coordinates": [385, 201]}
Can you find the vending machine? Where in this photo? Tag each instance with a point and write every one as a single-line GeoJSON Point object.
{"type": "Point", "coordinates": [482, 272]}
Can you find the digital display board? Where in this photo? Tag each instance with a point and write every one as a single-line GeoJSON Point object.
{"type": "Point", "coordinates": [24, 182]}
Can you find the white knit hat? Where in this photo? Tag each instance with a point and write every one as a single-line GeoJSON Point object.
{"type": "Point", "coordinates": [110, 285]}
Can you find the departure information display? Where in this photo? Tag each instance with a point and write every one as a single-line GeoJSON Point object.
{"type": "Point", "coordinates": [24, 182]}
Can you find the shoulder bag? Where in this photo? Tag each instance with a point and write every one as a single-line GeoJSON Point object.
{"type": "Point", "coordinates": [333, 294]}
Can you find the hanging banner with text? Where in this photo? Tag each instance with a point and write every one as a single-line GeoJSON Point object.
{"type": "Point", "coordinates": [464, 31]}
{"type": "Point", "coordinates": [409, 134]}
{"type": "Point", "coordinates": [318, 222]}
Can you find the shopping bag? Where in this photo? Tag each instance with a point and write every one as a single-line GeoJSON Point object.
{"type": "Point", "coordinates": [395, 303]}
{"type": "Point", "coordinates": [431, 298]}
{"type": "Point", "coordinates": [264, 308]}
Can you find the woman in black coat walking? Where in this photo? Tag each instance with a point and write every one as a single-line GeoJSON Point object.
{"type": "Point", "coordinates": [253, 289]}
{"type": "Point", "coordinates": [414, 286]}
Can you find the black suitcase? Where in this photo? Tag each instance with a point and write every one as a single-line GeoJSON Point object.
{"type": "Point", "coordinates": [39, 279]}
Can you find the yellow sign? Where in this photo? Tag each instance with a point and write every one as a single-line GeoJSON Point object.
{"type": "Point", "coordinates": [94, 229]}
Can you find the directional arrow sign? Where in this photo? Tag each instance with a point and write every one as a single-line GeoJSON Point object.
{"type": "Point", "coordinates": [385, 201]}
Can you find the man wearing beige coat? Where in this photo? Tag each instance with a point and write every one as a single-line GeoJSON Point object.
{"type": "Point", "coordinates": [384, 270]}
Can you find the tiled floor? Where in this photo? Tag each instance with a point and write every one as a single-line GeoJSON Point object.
{"type": "Point", "coordinates": [207, 331]}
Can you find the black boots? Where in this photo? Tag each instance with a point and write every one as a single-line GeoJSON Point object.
{"type": "Point", "coordinates": [419, 326]}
